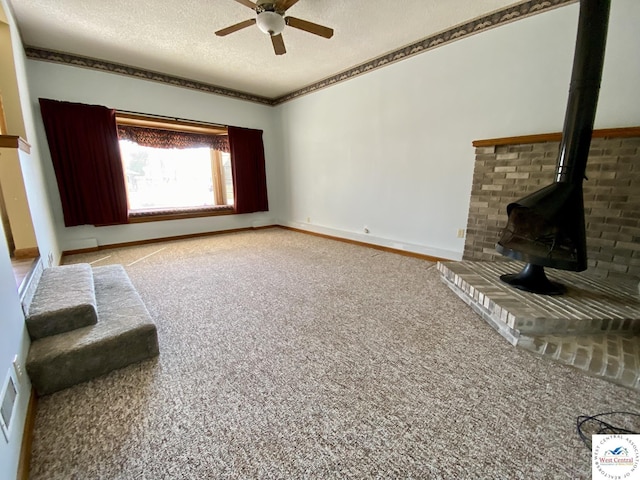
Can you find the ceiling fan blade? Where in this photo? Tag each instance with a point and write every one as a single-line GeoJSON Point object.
{"type": "Point", "coordinates": [236, 27]}
{"type": "Point", "coordinates": [310, 27]}
{"type": "Point", "coordinates": [278, 44]}
{"type": "Point", "coordinates": [247, 3]}
{"type": "Point", "coordinates": [282, 5]}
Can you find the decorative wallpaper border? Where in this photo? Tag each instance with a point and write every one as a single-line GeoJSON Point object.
{"type": "Point", "coordinates": [519, 11]}
{"type": "Point", "coordinates": [95, 64]}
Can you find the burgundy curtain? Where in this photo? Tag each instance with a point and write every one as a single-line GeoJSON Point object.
{"type": "Point", "coordinates": [159, 138]}
{"type": "Point", "coordinates": [83, 141]}
{"type": "Point", "coordinates": [249, 175]}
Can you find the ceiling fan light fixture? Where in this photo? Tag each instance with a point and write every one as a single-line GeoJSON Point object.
{"type": "Point", "coordinates": [270, 22]}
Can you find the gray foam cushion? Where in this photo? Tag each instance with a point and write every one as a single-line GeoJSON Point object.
{"type": "Point", "coordinates": [124, 334]}
{"type": "Point", "coordinates": [64, 300]}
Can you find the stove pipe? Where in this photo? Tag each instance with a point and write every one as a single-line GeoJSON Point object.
{"type": "Point", "coordinates": [546, 228]}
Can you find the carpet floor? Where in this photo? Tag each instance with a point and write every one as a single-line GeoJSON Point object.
{"type": "Point", "coordinates": [284, 355]}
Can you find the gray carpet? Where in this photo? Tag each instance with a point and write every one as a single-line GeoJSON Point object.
{"type": "Point", "coordinates": [284, 355]}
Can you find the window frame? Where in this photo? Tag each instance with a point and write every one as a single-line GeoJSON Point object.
{"type": "Point", "coordinates": [189, 126]}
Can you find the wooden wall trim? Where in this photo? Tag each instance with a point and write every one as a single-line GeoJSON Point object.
{"type": "Point", "coordinates": [162, 123]}
{"type": "Point", "coordinates": [13, 141]}
{"type": "Point", "coordinates": [24, 253]}
{"type": "Point", "coordinates": [245, 229]}
{"type": "Point", "coordinates": [27, 438]}
{"type": "Point", "coordinates": [213, 212]}
{"type": "Point", "coordinates": [624, 132]}
{"type": "Point", "coordinates": [163, 239]}
{"type": "Point", "coordinates": [405, 253]}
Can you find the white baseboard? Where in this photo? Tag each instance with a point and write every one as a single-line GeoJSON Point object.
{"type": "Point", "coordinates": [373, 240]}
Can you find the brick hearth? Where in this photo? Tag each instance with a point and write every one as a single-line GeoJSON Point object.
{"type": "Point", "coordinates": [594, 327]}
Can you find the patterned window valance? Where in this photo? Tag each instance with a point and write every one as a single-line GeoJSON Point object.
{"type": "Point", "coordinates": [156, 138]}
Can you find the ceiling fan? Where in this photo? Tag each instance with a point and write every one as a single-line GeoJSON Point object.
{"type": "Point", "coordinates": [271, 20]}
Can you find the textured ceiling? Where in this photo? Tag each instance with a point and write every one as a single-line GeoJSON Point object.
{"type": "Point", "coordinates": [177, 38]}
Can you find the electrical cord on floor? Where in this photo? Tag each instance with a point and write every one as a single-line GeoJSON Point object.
{"type": "Point", "coordinates": [595, 425]}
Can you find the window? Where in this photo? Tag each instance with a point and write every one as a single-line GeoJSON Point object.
{"type": "Point", "coordinates": [174, 169]}
{"type": "Point", "coordinates": [94, 193]}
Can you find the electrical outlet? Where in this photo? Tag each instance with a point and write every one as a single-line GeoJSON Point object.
{"type": "Point", "coordinates": [17, 366]}
{"type": "Point", "coordinates": [461, 233]}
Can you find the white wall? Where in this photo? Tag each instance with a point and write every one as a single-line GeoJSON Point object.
{"type": "Point", "coordinates": [62, 82]}
{"type": "Point", "coordinates": [14, 340]}
{"type": "Point", "coordinates": [33, 174]}
{"type": "Point", "coordinates": [391, 150]}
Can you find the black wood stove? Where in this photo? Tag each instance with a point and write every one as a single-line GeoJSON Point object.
{"type": "Point", "coordinates": [547, 228]}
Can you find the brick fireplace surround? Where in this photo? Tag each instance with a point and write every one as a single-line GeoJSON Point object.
{"type": "Point", "coordinates": [595, 326]}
